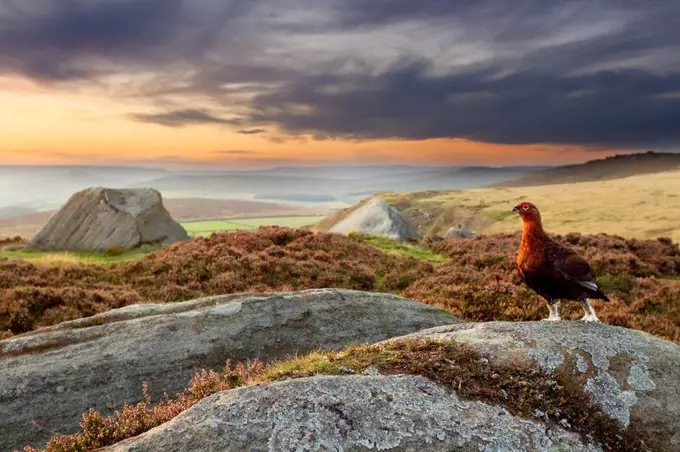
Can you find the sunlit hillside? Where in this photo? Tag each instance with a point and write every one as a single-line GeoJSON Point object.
{"type": "Point", "coordinates": [646, 206]}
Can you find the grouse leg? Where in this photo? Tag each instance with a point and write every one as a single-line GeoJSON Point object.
{"type": "Point", "coordinates": [554, 313]}
{"type": "Point", "coordinates": [590, 312]}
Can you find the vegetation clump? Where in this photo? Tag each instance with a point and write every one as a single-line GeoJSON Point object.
{"type": "Point", "coordinates": [525, 391]}
{"type": "Point", "coordinates": [114, 250]}
{"type": "Point", "coordinates": [12, 241]}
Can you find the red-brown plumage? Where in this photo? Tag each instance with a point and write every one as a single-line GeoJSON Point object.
{"type": "Point", "coordinates": [554, 271]}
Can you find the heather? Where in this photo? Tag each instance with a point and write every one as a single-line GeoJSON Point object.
{"type": "Point", "coordinates": [475, 279]}
{"type": "Point", "coordinates": [480, 283]}
{"type": "Point", "coordinates": [522, 390]}
{"type": "Point", "coordinates": [98, 431]}
{"type": "Point", "coordinates": [271, 259]}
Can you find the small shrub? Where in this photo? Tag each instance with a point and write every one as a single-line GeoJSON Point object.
{"type": "Point", "coordinates": [98, 431]}
{"type": "Point", "coordinates": [623, 284]}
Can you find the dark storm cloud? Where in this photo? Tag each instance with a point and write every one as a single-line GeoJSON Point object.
{"type": "Point", "coordinates": [601, 82]}
{"type": "Point", "coordinates": [182, 118]}
{"type": "Point", "coordinates": [599, 73]}
{"type": "Point", "coordinates": [72, 39]}
{"type": "Point", "coordinates": [361, 13]}
{"type": "Point", "coordinates": [46, 38]}
{"type": "Point", "coordinates": [620, 108]}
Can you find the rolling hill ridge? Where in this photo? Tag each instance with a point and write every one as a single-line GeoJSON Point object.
{"type": "Point", "coordinates": [644, 206]}
{"type": "Point", "coordinates": [615, 167]}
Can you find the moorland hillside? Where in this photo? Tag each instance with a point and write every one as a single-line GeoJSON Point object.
{"type": "Point", "coordinates": [608, 168]}
{"type": "Point", "coordinates": [644, 207]}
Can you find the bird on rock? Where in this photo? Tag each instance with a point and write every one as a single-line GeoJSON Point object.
{"type": "Point", "coordinates": [553, 270]}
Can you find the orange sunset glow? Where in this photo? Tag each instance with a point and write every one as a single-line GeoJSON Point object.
{"type": "Point", "coordinates": [211, 85]}
{"type": "Point", "coordinates": [43, 125]}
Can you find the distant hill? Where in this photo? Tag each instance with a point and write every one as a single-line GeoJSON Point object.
{"type": "Point", "coordinates": [296, 197]}
{"type": "Point", "coordinates": [644, 206]}
{"type": "Point", "coordinates": [15, 211]}
{"type": "Point", "coordinates": [47, 187]}
{"type": "Point", "coordinates": [243, 184]}
{"type": "Point", "coordinates": [447, 178]}
{"type": "Point", "coordinates": [618, 166]}
{"type": "Point", "coordinates": [345, 184]}
{"type": "Point", "coordinates": [183, 209]}
{"type": "Point", "coordinates": [50, 185]}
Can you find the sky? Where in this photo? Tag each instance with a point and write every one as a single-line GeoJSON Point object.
{"type": "Point", "coordinates": [261, 83]}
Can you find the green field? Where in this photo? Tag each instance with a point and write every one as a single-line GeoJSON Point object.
{"type": "Point", "coordinates": [204, 228]}
{"type": "Point", "coordinates": [389, 246]}
{"type": "Point", "coordinates": [193, 228]}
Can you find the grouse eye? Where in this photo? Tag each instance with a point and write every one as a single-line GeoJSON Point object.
{"type": "Point", "coordinates": [525, 207]}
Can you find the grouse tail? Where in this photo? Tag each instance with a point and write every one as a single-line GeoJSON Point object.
{"type": "Point", "coordinates": [599, 295]}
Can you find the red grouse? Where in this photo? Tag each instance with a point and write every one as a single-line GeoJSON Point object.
{"type": "Point", "coordinates": [553, 270]}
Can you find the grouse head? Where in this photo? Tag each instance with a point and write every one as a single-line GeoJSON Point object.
{"type": "Point", "coordinates": [528, 212]}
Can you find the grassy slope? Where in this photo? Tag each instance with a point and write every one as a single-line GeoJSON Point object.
{"type": "Point", "coordinates": [387, 246]}
{"type": "Point", "coordinates": [392, 247]}
{"type": "Point", "coordinates": [646, 206]}
{"type": "Point", "coordinates": [204, 228]}
{"type": "Point", "coordinates": [64, 258]}
{"type": "Point", "coordinates": [194, 228]}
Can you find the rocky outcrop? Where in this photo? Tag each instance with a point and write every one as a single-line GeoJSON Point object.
{"type": "Point", "coordinates": [351, 413]}
{"type": "Point", "coordinates": [55, 374]}
{"type": "Point", "coordinates": [99, 218]}
{"type": "Point", "coordinates": [633, 376]}
{"type": "Point", "coordinates": [377, 218]}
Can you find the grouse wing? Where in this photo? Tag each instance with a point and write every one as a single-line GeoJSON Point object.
{"type": "Point", "coordinates": [574, 267]}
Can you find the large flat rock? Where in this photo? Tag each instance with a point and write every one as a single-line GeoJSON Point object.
{"type": "Point", "coordinates": [54, 375]}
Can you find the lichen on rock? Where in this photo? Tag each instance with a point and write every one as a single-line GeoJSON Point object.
{"type": "Point", "coordinates": [633, 376]}
{"type": "Point", "coordinates": [350, 413]}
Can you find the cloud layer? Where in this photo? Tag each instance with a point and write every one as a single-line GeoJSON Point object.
{"type": "Point", "coordinates": [594, 73]}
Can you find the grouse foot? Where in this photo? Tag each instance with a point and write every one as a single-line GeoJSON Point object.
{"type": "Point", "coordinates": [590, 318]}
{"type": "Point", "coordinates": [554, 312]}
